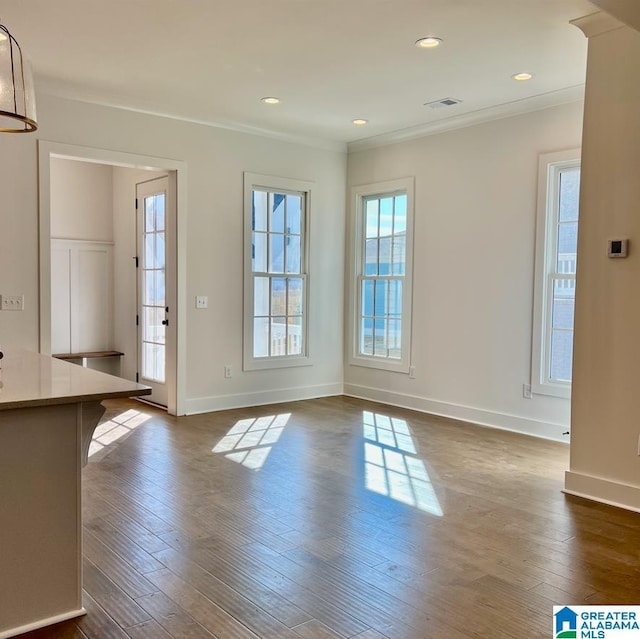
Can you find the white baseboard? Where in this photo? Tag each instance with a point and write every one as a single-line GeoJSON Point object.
{"type": "Point", "coordinates": [260, 398]}
{"type": "Point", "coordinates": [482, 417]}
{"type": "Point", "coordinates": [492, 419]}
{"type": "Point", "coordinates": [42, 623]}
{"type": "Point", "coordinates": [605, 491]}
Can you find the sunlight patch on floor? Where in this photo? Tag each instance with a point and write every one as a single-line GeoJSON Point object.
{"type": "Point", "coordinates": [250, 441]}
{"type": "Point", "coordinates": [115, 429]}
{"type": "Point", "coordinates": [391, 467]}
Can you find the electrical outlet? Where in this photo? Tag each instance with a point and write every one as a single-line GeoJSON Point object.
{"type": "Point", "coordinates": [526, 391]}
{"type": "Point", "coordinates": [412, 372]}
{"type": "Point", "coordinates": [228, 373]}
{"type": "Point", "coordinates": [12, 303]}
{"type": "Point", "coordinates": [202, 301]}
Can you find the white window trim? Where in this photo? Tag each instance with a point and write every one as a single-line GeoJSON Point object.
{"type": "Point", "coordinates": [547, 215]}
{"type": "Point", "coordinates": [358, 193]}
{"type": "Point", "coordinates": [250, 363]}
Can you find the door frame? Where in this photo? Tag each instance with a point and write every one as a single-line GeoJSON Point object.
{"type": "Point", "coordinates": [176, 282]}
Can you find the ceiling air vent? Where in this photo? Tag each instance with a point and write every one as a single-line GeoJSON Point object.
{"type": "Point", "coordinates": [445, 102]}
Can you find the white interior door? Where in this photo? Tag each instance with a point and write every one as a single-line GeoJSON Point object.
{"type": "Point", "coordinates": [153, 309]}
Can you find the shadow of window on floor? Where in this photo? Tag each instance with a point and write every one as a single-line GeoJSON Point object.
{"type": "Point", "coordinates": [391, 467]}
{"type": "Point", "coordinates": [114, 429]}
{"type": "Point", "coordinates": [250, 441]}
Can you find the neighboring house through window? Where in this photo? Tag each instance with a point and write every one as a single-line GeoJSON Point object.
{"type": "Point", "coordinates": [383, 275]}
{"type": "Point", "coordinates": [555, 268]}
{"type": "Point", "coordinates": [276, 277]}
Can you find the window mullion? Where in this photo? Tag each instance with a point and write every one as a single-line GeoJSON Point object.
{"type": "Point", "coordinates": [269, 350]}
{"type": "Point", "coordinates": [378, 244]}
{"type": "Point", "coordinates": [286, 315]}
{"type": "Point", "coordinates": [285, 238]}
{"type": "Point", "coordinates": [393, 234]}
{"type": "Point", "coordinates": [387, 289]}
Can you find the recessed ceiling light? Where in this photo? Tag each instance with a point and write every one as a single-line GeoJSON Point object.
{"type": "Point", "coordinates": [360, 122]}
{"type": "Point", "coordinates": [271, 100]}
{"type": "Point", "coordinates": [522, 77]}
{"type": "Point", "coordinates": [428, 43]}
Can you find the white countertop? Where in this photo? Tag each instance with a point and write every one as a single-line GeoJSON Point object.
{"type": "Point", "coordinates": [30, 379]}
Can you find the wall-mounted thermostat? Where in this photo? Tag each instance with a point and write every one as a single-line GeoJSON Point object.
{"type": "Point", "coordinates": [617, 248]}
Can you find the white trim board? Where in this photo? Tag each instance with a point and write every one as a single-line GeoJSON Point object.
{"type": "Point", "coordinates": [479, 116]}
{"type": "Point", "coordinates": [477, 416]}
{"type": "Point", "coordinates": [597, 23]}
{"type": "Point", "coordinates": [42, 623]}
{"type": "Point", "coordinates": [57, 89]}
{"type": "Point", "coordinates": [260, 398]}
{"type": "Point", "coordinates": [605, 491]}
{"type": "Point", "coordinates": [486, 114]}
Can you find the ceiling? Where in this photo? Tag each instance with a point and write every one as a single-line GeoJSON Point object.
{"type": "Point", "coordinates": [329, 61]}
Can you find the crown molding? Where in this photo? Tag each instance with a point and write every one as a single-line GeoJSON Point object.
{"type": "Point", "coordinates": [597, 23]}
{"type": "Point", "coordinates": [46, 87]}
{"type": "Point", "coordinates": [508, 109]}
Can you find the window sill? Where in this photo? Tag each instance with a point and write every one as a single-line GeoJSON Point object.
{"type": "Point", "coordinates": [274, 363]}
{"type": "Point", "coordinates": [562, 391]}
{"type": "Point", "coordinates": [381, 364]}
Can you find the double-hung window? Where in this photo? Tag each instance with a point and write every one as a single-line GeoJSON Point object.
{"type": "Point", "coordinates": [383, 273]}
{"type": "Point", "coordinates": [276, 277]}
{"type": "Point", "coordinates": [555, 282]}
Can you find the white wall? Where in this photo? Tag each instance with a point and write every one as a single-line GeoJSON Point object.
{"type": "Point", "coordinates": [19, 239]}
{"type": "Point", "coordinates": [475, 194]}
{"type": "Point", "coordinates": [81, 200]}
{"type": "Point", "coordinates": [216, 159]}
{"type": "Point", "coordinates": [606, 400]}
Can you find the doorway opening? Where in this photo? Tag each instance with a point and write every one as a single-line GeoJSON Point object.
{"type": "Point", "coordinates": [107, 268]}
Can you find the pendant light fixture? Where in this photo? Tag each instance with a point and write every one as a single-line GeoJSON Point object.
{"type": "Point", "coordinates": [17, 97]}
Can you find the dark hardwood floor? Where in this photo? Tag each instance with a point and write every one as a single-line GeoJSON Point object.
{"type": "Point", "coordinates": [336, 518]}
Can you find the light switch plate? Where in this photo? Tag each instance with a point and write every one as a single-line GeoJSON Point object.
{"type": "Point", "coordinates": [12, 302]}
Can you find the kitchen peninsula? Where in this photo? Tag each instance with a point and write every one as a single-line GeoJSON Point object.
{"type": "Point", "coordinates": [48, 412]}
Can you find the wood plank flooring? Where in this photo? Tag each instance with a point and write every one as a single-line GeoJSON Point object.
{"type": "Point", "coordinates": [336, 518]}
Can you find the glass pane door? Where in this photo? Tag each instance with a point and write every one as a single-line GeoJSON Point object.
{"type": "Point", "coordinates": [153, 312]}
{"type": "Point", "coordinates": [153, 289]}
